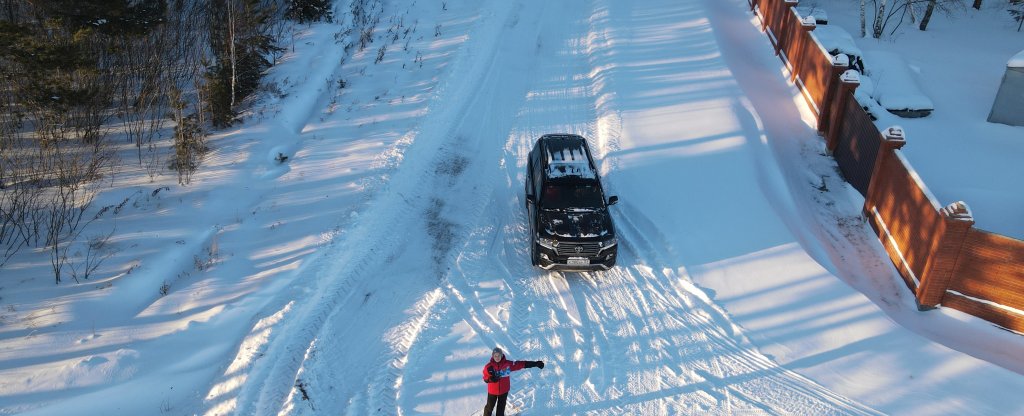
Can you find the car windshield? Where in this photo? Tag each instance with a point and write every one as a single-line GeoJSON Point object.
{"type": "Point", "coordinates": [571, 196]}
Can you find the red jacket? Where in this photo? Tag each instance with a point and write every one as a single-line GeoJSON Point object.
{"type": "Point", "coordinates": [503, 369]}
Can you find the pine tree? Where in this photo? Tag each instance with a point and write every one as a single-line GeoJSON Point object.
{"type": "Point", "coordinates": [108, 17]}
{"type": "Point", "coordinates": [241, 42]}
{"type": "Point", "coordinates": [307, 11]}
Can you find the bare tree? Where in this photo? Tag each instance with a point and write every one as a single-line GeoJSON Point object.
{"type": "Point", "coordinates": [946, 6]}
{"type": "Point", "coordinates": [96, 252]}
{"type": "Point", "coordinates": [240, 45]}
{"type": "Point", "coordinates": [863, 31]}
{"type": "Point", "coordinates": [141, 87]}
{"type": "Point", "coordinates": [231, 47]}
{"type": "Point", "coordinates": [890, 16]}
{"type": "Point", "coordinates": [68, 66]}
{"type": "Point", "coordinates": [1017, 12]}
{"type": "Point", "coordinates": [58, 84]}
{"type": "Point", "coordinates": [877, 27]}
{"type": "Point", "coordinates": [927, 15]}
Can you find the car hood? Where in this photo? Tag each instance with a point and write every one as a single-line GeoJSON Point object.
{"type": "Point", "coordinates": [576, 223]}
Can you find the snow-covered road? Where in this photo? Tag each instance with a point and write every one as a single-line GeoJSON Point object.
{"type": "Point", "coordinates": [435, 271]}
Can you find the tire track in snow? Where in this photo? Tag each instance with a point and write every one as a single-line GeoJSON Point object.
{"type": "Point", "coordinates": [639, 320]}
{"type": "Point", "coordinates": [461, 283]}
{"type": "Point", "coordinates": [466, 275]}
{"type": "Point", "coordinates": [473, 126]}
{"type": "Point", "coordinates": [376, 235]}
{"type": "Point", "coordinates": [580, 310]}
{"type": "Point", "coordinates": [565, 102]}
{"type": "Point", "coordinates": [655, 294]}
{"type": "Point", "coordinates": [728, 362]}
{"type": "Point", "coordinates": [701, 313]}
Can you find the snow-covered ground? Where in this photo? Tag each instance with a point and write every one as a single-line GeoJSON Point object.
{"type": "Point", "coordinates": [375, 269]}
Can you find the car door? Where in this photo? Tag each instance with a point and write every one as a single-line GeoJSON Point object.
{"type": "Point", "coordinates": [533, 182]}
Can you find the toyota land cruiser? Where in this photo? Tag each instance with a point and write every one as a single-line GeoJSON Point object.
{"type": "Point", "coordinates": [570, 226]}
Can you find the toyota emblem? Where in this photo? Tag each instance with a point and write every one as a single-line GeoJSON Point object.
{"type": "Point", "coordinates": [579, 249]}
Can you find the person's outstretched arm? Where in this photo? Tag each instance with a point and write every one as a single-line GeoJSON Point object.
{"type": "Point", "coordinates": [533, 364]}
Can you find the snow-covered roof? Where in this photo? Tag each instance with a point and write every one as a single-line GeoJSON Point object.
{"type": "Point", "coordinates": [836, 40]}
{"type": "Point", "coordinates": [895, 86]}
{"type": "Point", "coordinates": [568, 158]}
{"type": "Point", "coordinates": [1017, 61]}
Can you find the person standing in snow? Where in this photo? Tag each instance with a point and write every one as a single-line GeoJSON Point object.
{"type": "Point", "coordinates": [496, 375]}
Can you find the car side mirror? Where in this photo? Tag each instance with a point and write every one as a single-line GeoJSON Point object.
{"type": "Point", "coordinates": [612, 200]}
{"type": "Point", "coordinates": [530, 199]}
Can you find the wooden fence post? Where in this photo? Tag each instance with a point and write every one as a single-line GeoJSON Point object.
{"type": "Point", "coordinates": [848, 83]}
{"type": "Point", "coordinates": [807, 25]}
{"type": "Point", "coordinates": [775, 22]}
{"type": "Point", "coordinates": [957, 221]}
{"type": "Point", "coordinates": [892, 139]}
{"type": "Point", "coordinates": [840, 63]}
{"type": "Point", "coordinates": [763, 8]}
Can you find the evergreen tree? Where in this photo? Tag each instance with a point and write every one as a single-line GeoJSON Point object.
{"type": "Point", "coordinates": [241, 44]}
{"type": "Point", "coordinates": [108, 17]}
{"type": "Point", "coordinates": [218, 93]}
{"type": "Point", "coordinates": [306, 11]}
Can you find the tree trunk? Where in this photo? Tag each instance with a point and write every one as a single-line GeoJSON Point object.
{"type": "Point", "coordinates": [927, 15]}
{"type": "Point", "coordinates": [863, 20]}
{"type": "Point", "coordinates": [231, 46]}
{"type": "Point", "coordinates": [876, 28]}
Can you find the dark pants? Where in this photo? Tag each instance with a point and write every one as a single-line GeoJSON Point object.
{"type": "Point", "coordinates": [491, 400]}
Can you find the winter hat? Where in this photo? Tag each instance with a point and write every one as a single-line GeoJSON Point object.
{"type": "Point", "coordinates": [498, 350]}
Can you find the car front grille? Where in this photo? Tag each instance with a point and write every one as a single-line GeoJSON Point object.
{"type": "Point", "coordinates": [578, 249]}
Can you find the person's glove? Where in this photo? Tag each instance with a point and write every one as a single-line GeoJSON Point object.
{"type": "Point", "coordinates": [494, 376]}
{"type": "Point", "coordinates": [532, 364]}
{"type": "Point", "coordinates": [540, 365]}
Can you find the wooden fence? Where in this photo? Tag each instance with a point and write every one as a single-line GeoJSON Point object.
{"type": "Point", "coordinates": [988, 278]}
{"type": "Point", "coordinates": [937, 250]}
{"type": "Point", "coordinates": [856, 143]}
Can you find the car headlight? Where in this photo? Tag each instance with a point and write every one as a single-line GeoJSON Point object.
{"type": "Point", "coordinates": [609, 243]}
{"type": "Point", "coordinates": [547, 242]}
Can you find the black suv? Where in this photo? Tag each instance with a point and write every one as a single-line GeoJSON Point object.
{"type": "Point", "coordinates": [570, 227]}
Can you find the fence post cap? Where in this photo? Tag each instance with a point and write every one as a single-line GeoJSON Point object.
{"type": "Point", "coordinates": [893, 137]}
{"type": "Point", "coordinates": [792, 2]}
{"type": "Point", "coordinates": [808, 22]}
{"type": "Point", "coordinates": [841, 60]}
{"type": "Point", "coordinates": [850, 76]}
{"type": "Point", "coordinates": [958, 211]}
{"type": "Point", "coordinates": [894, 133]}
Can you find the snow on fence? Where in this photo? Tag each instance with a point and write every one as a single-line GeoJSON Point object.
{"type": "Point", "coordinates": [942, 258]}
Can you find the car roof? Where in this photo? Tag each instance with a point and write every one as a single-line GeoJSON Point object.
{"type": "Point", "coordinates": [566, 156]}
